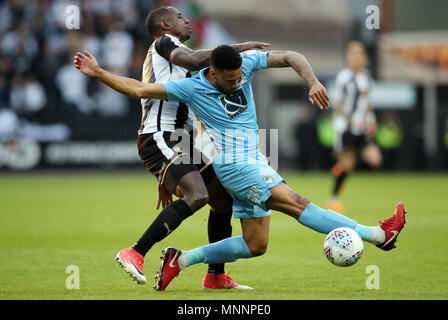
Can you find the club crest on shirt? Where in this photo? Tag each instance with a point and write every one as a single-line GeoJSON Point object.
{"type": "Point", "coordinates": [268, 179]}
{"type": "Point", "coordinates": [234, 103]}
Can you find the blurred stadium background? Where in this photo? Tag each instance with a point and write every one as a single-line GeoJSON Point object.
{"type": "Point", "coordinates": [51, 116]}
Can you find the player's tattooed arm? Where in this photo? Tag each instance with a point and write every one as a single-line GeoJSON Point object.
{"type": "Point", "coordinates": [87, 64]}
{"type": "Point", "coordinates": [295, 60]}
{"type": "Point", "coordinates": [282, 59]}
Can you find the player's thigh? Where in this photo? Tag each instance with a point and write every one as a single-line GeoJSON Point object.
{"type": "Point", "coordinates": [347, 159]}
{"type": "Point", "coordinates": [286, 200]}
{"type": "Point", "coordinates": [218, 197]}
{"type": "Point", "coordinates": [371, 155]}
{"type": "Point", "coordinates": [256, 234]}
{"type": "Point", "coordinates": [185, 180]}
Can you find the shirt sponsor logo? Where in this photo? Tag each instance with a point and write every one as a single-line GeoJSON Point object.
{"type": "Point", "coordinates": [234, 103]}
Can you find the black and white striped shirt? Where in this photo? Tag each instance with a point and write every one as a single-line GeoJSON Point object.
{"type": "Point", "coordinates": [160, 115]}
{"type": "Point", "coordinates": [353, 91]}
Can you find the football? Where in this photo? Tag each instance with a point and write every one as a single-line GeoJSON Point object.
{"type": "Point", "coordinates": [343, 247]}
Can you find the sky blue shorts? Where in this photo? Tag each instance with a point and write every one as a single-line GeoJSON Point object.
{"type": "Point", "coordinates": [249, 185]}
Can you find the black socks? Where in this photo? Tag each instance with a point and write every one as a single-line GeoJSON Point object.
{"type": "Point", "coordinates": [219, 228]}
{"type": "Point", "coordinates": [340, 175]}
{"type": "Point", "coordinates": [165, 223]}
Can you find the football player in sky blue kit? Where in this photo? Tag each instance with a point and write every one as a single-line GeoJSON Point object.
{"type": "Point", "coordinates": [221, 96]}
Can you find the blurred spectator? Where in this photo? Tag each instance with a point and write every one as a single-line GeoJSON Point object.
{"type": "Point", "coordinates": [117, 49]}
{"type": "Point", "coordinates": [39, 86]}
{"type": "Point", "coordinates": [6, 16]}
{"type": "Point", "coordinates": [92, 42]}
{"type": "Point", "coordinates": [3, 93]}
{"type": "Point", "coordinates": [26, 95]}
{"type": "Point", "coordinates": [9, 124]}
{"type": "Point", "coordinates": [73, 87]}
{"type": "Point", "coordinates": [110, 103]}
{"type": "Point", "coordinates": [20, 46]}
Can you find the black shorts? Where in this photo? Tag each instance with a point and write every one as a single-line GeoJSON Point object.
{"type": "Point", "coordinates": [350, 140]}
{"type": "Point", "coordinates": [162, 151]}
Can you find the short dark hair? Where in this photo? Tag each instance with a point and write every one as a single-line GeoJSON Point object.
{"type": "Point", "coordinates": [153, 20]}
{"type": "Point", "coordinates": [225, 57]}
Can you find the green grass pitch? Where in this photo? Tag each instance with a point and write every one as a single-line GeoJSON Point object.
{"type": "Point", "coordinates": [49, 221]}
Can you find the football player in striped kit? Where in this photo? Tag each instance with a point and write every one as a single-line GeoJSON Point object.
{"type": "Point", "coordinates": [354, 120]}
{"type": "Point", "coordinates": [194, 183]}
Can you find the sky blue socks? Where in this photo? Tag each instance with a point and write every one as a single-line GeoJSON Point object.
{"type": "Point", "coordinates": [314, 217]}
{"type": "Point", "coordinates": [227, 250]}
{"type": "Point", "coordinates": [324, 221]}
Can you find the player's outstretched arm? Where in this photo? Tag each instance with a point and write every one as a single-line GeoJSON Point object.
{"type": "Point", "coordinates": [197, 59]}
{"type": "Point", "coordinates": [87, 64]}
{"type": "Point", "coordinates": [281, 59]}
{"type": "Point", "coordinates": [250, 45]}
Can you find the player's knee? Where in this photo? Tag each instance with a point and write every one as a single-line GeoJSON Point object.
{"type": "Point", "coordinates": [197, 200]}
{"type": "Point", "coordinates": [258, 248]}
{"type": "Point", "coordinates": [373, 161]}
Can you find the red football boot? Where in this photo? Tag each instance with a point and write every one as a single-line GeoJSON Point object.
{"type": "Point", "coordinates": [392, 227]}
{"type": "Point", "coordinates": [132, 262]}
{"type": "Point", "coordinates": [221, 281]}
{"type": "Point", "coordinates": [169, 268]}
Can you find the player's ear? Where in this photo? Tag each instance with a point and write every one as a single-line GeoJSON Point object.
{"type": "Point", "coordinates": [164, 25]}
{"type": "Point", "coordinates": [212, 72]}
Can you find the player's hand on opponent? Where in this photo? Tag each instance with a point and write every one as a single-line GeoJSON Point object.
{"type": "Point", "coordinates": [165, 197]}
{"type": "Point", "coordinates": [318, 96]}
{"type": "Point", "coordinates": [86, 63]}
{"type": "Point", "coordinates": [250, 45]}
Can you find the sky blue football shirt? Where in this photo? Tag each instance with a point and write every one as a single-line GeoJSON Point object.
{"type": "Point", "coordinates": [231, 122]}
{"type": "Point", "coordinates": [229, 119]}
